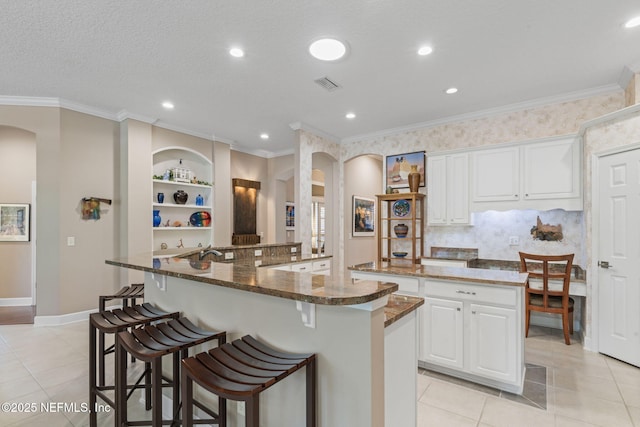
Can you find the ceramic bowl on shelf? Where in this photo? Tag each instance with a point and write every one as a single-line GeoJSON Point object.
{"type": "Point", "coordinates": [399, 254]}
{"type": "Point", "coordinates": [200, 219]}
{"type": "Point", "coordinates": [401, 208]}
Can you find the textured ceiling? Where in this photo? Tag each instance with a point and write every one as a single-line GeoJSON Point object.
{"type": "Point", "coordinates": [126, 57]}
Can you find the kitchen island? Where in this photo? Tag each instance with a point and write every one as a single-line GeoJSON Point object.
{"type": "Point", "coordinates": [340, 319]}
{"type": "Point", "coordinates": [472, 325]}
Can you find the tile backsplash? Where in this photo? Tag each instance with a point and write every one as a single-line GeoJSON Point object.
{"type": "Point", "coordinates": [492, 231]}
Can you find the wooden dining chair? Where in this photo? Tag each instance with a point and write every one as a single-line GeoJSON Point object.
{"type": "Point", "coordinates": [539, 296]}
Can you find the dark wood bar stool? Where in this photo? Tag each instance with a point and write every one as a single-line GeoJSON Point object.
{"type": "Point", "coordinates": [149, 344]}
{"type": "Point", "coordinates": [240, 371]}
{"type": "Point", "coordinates": [112, 322]}
{"type": "Point", "coordinates": [129, 296]}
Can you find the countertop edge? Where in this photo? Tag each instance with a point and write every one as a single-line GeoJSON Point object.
{"type": "Point", "coordinates": [409, 305]}
{"type": "Point", "coordinates": [449, 273]}
{"type": "Point", "coordinates": [386, 289]}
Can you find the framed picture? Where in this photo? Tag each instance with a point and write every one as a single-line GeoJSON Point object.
{"type": "Point", "coordinates": [398, 167]}
{"type": "Point", "coordinates": [363, 219]}
{"type": "Point", "coordinates": [14, 222]}
{"type": "Point", "coordinates": [290, 211]}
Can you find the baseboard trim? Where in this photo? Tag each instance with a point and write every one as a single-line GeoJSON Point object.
{"type": "Point", "coordinates": [64, 319]}
{"type": "Point", "coordinates": [16, 302]}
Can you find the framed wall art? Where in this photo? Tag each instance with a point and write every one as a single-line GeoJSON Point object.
{"type": "Point", "coordinates": [363, 219]}
{"type": "Point", "coordinates": [290, 211]}
{"type": "Point", "coordinates": [398, 167]}
{"type": "Point", "coordinates": [14, 222]}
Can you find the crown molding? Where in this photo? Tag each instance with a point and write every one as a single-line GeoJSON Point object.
{"type": "Point", "coordinates": [308, 128]}
{"type": "Point", "coordinates": [556, 99]}
{"type": "Point", "coordinates": [29, 101]}
{"type": "Point", "coordinates": [262, 153]}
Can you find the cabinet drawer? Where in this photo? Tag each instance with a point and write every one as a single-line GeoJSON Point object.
{"type": "Point", "coordinates": [490, 294]}
{"type": "Point", "coordinates": [302, 267]}
{"type": "Point", "coordinates": [325, 264]}
{"type": "Point", "coordinates": [408, 285]}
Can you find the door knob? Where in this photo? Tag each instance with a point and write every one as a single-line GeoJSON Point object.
{"type": "Point", "coordinates": [604, 264]}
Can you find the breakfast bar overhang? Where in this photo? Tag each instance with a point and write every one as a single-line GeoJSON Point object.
{"type": "Point", "coordinates": [340, 319]}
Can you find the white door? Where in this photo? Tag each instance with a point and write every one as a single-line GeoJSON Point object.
{"type": "Point", "coordinates": [443, 332]}
{"type": "Point", "coordinates": [619, 256]}
{"type": "Point", "coordinates": [492, 342]}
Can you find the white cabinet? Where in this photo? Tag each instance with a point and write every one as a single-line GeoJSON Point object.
{"type": "Point", "coordinates": [496, 175]}
{"type": "Point", "coordinates": [538, 175]}
{"type": "Point", "coordinates": [492, 342]}
{"type": "Point", "coordinates": [551, 170]}
{"type": "Point", "coordinates": [475, 332]}
{"type": "Point", "coordinates": [186, 223]}
{"type": "Point", "coordinates": [448, 189]}
{"type": "Point", "coordinates": [443, 332]}
{"type": "Point", "coordinates": [406, 285]}
{"type": "Point", "coordinates": [322, 267]}
{"type": "Point", "coordinates": [302, 267]}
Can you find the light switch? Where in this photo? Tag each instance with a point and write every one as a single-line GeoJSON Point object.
{"type": "Point", "coordinates": [71, 241]}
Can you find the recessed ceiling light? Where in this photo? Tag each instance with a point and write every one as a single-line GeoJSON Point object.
{"type": "Point", "coordinates": [264, 136]}
{"type": "Point", "coordinates": [633, 22]}
{"type": "Point", "coordinates": [236, 52]}
{"type": "Point", "coordinates": [168, 105]}
{"type": "Point", "coordinates": [451, 90]}
{"type": "Point", "coordinates": [328, 49]}
{"type": "Point", "coordinates": [425, 50]}
{"type": "Point", "coordinates": [350, 116]}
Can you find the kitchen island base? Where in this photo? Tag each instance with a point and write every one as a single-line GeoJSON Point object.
{"type": "Point", "coordinates": [349, 341]}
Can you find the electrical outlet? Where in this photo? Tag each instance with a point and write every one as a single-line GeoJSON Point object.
{"type": "Point", "coordinates": [228, 255]}
{"type": "Point", "coordinates": [294, 250]}
{"type": "Point", "coordinates": [71, 241]}
{"type": "Point", "coordinates": [258, 252]}
{"type": "Point", "coordinates": [514, 241]}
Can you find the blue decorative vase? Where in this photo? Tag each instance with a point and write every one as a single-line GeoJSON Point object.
{"type": "Point", "coordinates": [156, 218]}
{"type": "Point", "coordinates": [160, 197]}
{"type": "Point", "coordinates": [199, 200]}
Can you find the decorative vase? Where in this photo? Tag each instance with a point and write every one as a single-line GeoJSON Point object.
{"type": "Point", "coordinates": [401, 230]}
{"type": "Point", "coordinates": [199, 200]}
{"type": "Point", "coordinates": [160, 197]}
{"type": "Point", "coordinates": [156, 218]}
{"type": "Point", "coordinates": [414, 179]}
{"type": "Point", "coordinates": [180, 197]}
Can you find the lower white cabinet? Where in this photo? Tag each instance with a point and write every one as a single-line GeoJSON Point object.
{"type": "Point", "coordinates": [474, 332]}
{"type": "Point", "coordinates": [493, 342]}
{"type": "Point", "coordinates": [443, 332]}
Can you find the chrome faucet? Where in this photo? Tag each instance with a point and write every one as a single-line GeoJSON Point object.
{"type": "Point", "coordinates": [204, 253]}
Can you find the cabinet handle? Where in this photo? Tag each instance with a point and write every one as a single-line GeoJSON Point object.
{"type": "Point", "coordinates": [465, 292]}
{"type": "Point", "coordinates": [303, 268]}
{"type": "Point", "coordinates": [458, 309]}
{"type": "Point", "coordinates": [473, 312]}
{"type": "Point", "coordinates": [515, 195]}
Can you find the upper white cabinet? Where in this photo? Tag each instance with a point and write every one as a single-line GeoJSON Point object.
{"type": "Point", "coordinates": [496, 175]}
{"type": "Point", "coordinates": [538, 175]}
{"type": "Point", "coordinates": [182, 224]}
{"type": "Point", "coordinates": [448, 189]}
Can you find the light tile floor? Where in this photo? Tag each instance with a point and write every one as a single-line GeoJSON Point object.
{"type": "Point", "coordinates": [50, 364]}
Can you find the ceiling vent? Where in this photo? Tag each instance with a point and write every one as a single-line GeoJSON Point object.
{"type": "Point", "coordinates": [327, 83]}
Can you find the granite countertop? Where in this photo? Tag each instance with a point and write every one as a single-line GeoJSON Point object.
{"type": "Point", "coordinates": [335, 289]}
{"type": "Point", "coordinates": [475, 275]}
{"type": "Point", "coordinates": [399, 306]}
